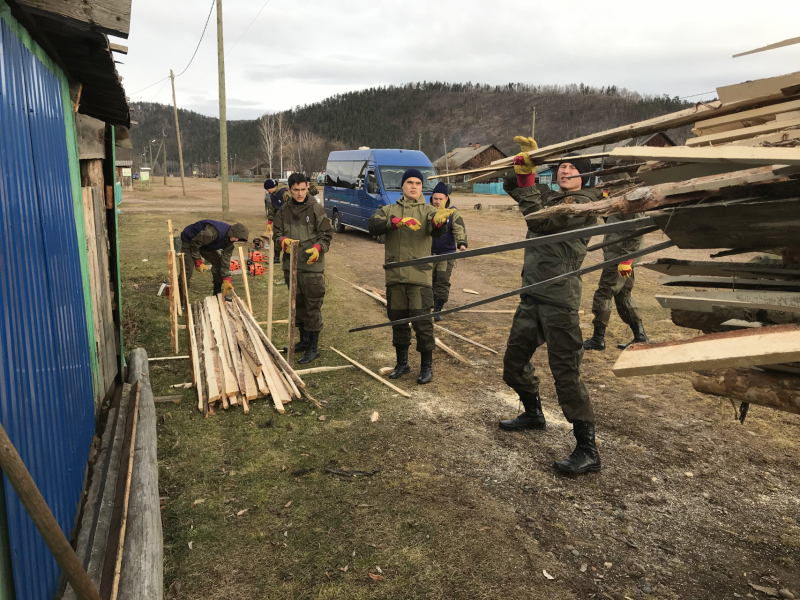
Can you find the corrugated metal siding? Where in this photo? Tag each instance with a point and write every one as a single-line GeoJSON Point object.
{"type": "Point", "coordinates": [46, 395]}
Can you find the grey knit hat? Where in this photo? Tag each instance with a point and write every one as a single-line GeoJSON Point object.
{"type": "Point", "coordinates": [240, 231]}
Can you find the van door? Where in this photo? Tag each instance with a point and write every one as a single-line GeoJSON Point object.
{"type": "Point", "coordinates": [372, 199]}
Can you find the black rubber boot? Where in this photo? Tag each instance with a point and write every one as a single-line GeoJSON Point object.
{"type": "Point", "coordinates": [217, 288]}
{"type": "Point", "coordinates": [425, 367]}
{"type": "Point", "coordinates": [597, 341]}
{"type": "Point", "coordinates": [312, 351]}
{"type": "Point", "coordinates": [437, 306]}
{"type": "Point", "coordinates": [585, 458]}
{"type": "Point", "coordinates": [302, 344]}
{"type": "Point", "coordinates": [639, 336]}
{"type": "Point", "coordinates": [532, 418]}
{"type": "Point", "coordinates": [402, 363]}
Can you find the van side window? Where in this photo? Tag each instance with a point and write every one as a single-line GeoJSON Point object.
{"type": "Point", "coordinates": [360, 168]}
{"type": "Point", "coordinates": [372, 183]}
{"type": "Point", "coordinates": [332, 173]}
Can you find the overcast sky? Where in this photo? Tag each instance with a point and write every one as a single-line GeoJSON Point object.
{"type": "Point", "coordinates": [297, 53]}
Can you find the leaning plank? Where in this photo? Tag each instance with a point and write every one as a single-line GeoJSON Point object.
{"type": "Point", "coordinates": [274, 387]}
{"type": "Point", "coordinates": [190, 332]}
{"type": "Point", "coordinates": [231, 343]}
{"type": "Point", "coordinates": [213, 368]}
{"type": "Point", "coordinates": [231, 386]}
{"type": "Point", "coordinates": [755, 386]}
{"type": "Point", "coordinates": [273, 351]}
{"type": "Point", "coordinates": [734, 283]}
{"type": "Point", "coordinates": [708, 268]}
{"type": "Point", "coordinates": [466, 339]}
{"type": "Point", "coordinates": [767, 345]}
{"type": "Point", "coordinates": [704, 301]}
{"type": "Point", "coordinates": [160, 358]}
{"type": "Point", "coordinates": [371, 374]}
{"type": "Point", "coordinates": [249, 357]}
{"type": "Point", "coordinates": [322, 370]}
{"type": "Point", "coordinates": [441, 345]}
{"type": "Point", "coordinates": [251, 341]}
{"type": "Point", "coordinates": [723, 137]}
{"type": "Point", "coordinates": [173, 304]}
{"type": "Point", "coordinates": [760, 87]}
{"type": "Point", "coordinates": [251, 387]}
{"type": "Point", "coordinates": [202, 381]}
{"type": "Point", "coordinates": [712, 154]}
{"type": "Point", "coordinates": [745, 118]}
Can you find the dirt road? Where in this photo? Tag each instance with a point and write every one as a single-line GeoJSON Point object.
{"type": "Point", "coordinates": [689, 504]}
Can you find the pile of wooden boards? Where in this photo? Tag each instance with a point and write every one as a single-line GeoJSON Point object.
{"type": "Point", "coordinates": [233, 361]}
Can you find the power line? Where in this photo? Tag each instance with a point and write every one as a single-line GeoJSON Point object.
{"type": "Point", "coordinates": [248, 27]}
{"type": "Point", "coordinates": [160, 89]}
{"type": "Point", "coordinates": [694, 95]}
{"type": "Point", "coordinates": [213, 2]}
{"type": "Point", "coordinates": [149, 86]}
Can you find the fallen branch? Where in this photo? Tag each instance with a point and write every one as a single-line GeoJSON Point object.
{"type": "Point", "coordinates": [349, 473]}
{"type": "Point", "coordinates": [371, 374]}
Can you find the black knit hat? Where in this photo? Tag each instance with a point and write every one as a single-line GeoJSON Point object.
{"type": "Point", "coordinates": [269, 184]}
{"type": "Point", "coordinates": [441, 188]}
{"type": "Point", "coordinates": [239, 231]}
{"type": "Point", "coordinates": [412, 173]}
{"type": "Point", "coordinates": [584, 165]}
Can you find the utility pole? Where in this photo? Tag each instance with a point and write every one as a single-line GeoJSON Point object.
{"type": "Point", "coordinates": [223, 125]}
{"type": "Point", "coordinates": [420, 141]}
{"type": "Point", "coordinates": [446, 161]}
{"type": "Point", "coordinates": [165, 162]}
{"type": "Point", "coordinates": [533, 123]}
{"type": "Point", "coordinates": [177, 130]}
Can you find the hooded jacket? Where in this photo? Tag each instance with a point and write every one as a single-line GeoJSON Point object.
{"type": "Point", "coordinates": [454, 236]}
{"type": "Point", "coordinates": [307, 223]}
{"type": "Point", "coordinates": [210, 235]}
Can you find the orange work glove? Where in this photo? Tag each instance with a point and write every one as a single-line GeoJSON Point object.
{"type": "Point", "coordinates": [314, 252]}
{"type": "Point", "coordinates": [409, 222]}
{"type": "Point", "coordinates": [625, 269]}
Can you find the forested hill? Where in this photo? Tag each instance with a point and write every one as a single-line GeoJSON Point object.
{"type": "Point", "coordinates": [410, 116]}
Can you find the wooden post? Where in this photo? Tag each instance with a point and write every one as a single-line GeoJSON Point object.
{"type": "Point", "coordinates": [292, 300]}
{"type": "Point", "coordinates": [176, 271]}
{"type": "Point", "coordinates": [177, 130]}
{"type": "Point", "coordinates": [165, 162]}
{"type": "Point", "coordinates": [31, 498]}
{"type": "Point", "coordinates": [126, 497]}
{"type": "Point", "coordinates": [173, 304]}
{"type": "Point", "coordinates": [269, 286]}
{"type": "Point", "coordinates": [223, 123]}
{"type": "Point", "coordinates": [244, 277]}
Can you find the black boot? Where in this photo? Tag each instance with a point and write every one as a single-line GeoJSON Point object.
{"type": "Point", "coordinates": [425, 367]}
{"type": "Point", "coordinates": [217, 288]}
{"type": "Point", "coordinates": [402, 363]}
{"type": "Point", "coordinates": [639, 336]}
{"type": "Point", "coordinates": [585, 458]}
{"type": "Point", "coordinates": [312, 352]}
{"type": "Point", "coordinates": [532, 418]}
{"type": "Point", "coordinates": [597, 341]}
{"type": "Point", "coordinates": [437, 306]}
{"type": "Point", "coordinates": [302, 344]}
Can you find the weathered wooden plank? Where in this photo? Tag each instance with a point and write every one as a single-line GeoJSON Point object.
{"type": "Point", "coordinates": [212, 366]}
{"type": "Point", "coordinates": [371, 374]}
{"type": "Point", "coordinates": [230, 386]}
{"type": "Point", "coordinates": [322, 369]}
{"type": "Point", "coordinates": [118, 48]}
{"type": "Point", "coordinates": [91, 137]}
{"type": "Point", "coordinates": [767, 345]}
{"type": "Point", "coordinates": [760, 87]}
{"type": "Point", "coordinates": [669, 173]}
{"type": "Point", "coordinates": [781, 392]}
{"type": "Point", "coordinates": [232, 345]}
{"type": "Point", "coordinates": [676, 267]}
{"type": "Point", "coordinates": [112, 17]}
{"type": "Point", "coordinates": [745, 118]}
{"type": "Point", "coordinates": [723, 137]}
{"type": "Point", "coordinates": [732, 283]}
{"type": "Point", "coordinates": [704, 301]}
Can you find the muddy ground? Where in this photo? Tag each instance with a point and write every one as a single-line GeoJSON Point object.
{"type": "Point", "coordinates": [689, 504]}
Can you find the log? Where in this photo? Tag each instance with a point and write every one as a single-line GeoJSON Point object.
{"type": "Point", "coordinates": [781, 392]}
{"type": "Point", "coordinates": [292, 300]}
{"type": "Point", "coordinates": [244, 278]}
{"type": "Point", "coordinates": [142, 575]}
{"type": "Point", "coordinates": [764, 346]}
{"type": "Point", "coordinates": [371, 374]}
{"type": "Point", "coordinates": [168, 399]}
{"type": "Point", "coordinates": [269, 283]}
{"type": "Point", "coordinates": [322, 370]}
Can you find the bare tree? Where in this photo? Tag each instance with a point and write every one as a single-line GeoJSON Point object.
{"type": "Point", "coordinates": [266, 128]}
{"type": "Point", "coordinates": [283, 136]}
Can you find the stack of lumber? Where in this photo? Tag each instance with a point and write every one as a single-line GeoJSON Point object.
{"type": "Point", "coordinates": [233, 361]}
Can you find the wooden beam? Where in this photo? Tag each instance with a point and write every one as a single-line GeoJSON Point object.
{"type": "Point", "coordinates": [767, 345]}
{"type": "Point", "coordinates": [709, 268]}
{"type": "Point", "coordinates": [168, 399]}
{"type": "Point", "coordinates": [322, 370]}
{"type": "Point", "coordinates": [754, 300]}
{"type": "Point", "coordinates": [112, 17]}
{"type": "Point", "coordinates": [781, 392]}
{"type": "Point", "coordinates": [782, 44]}
{"type": "Point", "coordinates": [250, 357]}
{"type": "Point", "coordinates": [742, 92]}
{"type": "Point", "coordinates": [243, 264]}
{"type": "Point", "coordinates": [732, 283]}
{"type": "Point", "coordinates": [118, 48]}
{"type": "Point", "coordinates": [447, 349]}
{"type": "Point", "coordinates": [745, 118]}
{"type": "Point", "coordinates": [756, 156]}
{"type": "Point", "coordinates": [723, 137]}
{"type": "Point", "coordinates": [292, 300]}
{"type": "Point", "coordinates": [173, 304]}
{"type": "Point", "coordinates": [371, 374]}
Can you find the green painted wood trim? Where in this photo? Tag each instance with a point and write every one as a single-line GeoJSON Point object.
{"type": "Point", "coordinates": [115, 241]}
{"type": "Point", "coordinates": [75, 178]}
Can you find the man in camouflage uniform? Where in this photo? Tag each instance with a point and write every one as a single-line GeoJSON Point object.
{"type": "Point", "coordinates": [277, 195]}
{"type": "Point", "coordinates": [454, 239]}
{"type": "Point", "coordinates": [212, 240]}
{"type": "Point", "coordinates": [617, 283]}
{"type": "Point", "coordinates": [303, 219]}
{"type": "Point", "coordinates": [549, 314]}
{"type": "Point", "coordinates": [407, 228]}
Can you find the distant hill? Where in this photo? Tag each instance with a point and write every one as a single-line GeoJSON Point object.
{"type": "Point", "coordinates": [419, 115]}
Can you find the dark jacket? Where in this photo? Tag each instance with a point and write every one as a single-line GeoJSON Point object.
{"type": "Point", "coordinates": [454, 237]}
{"type": "Point", "coordinates": [545, 262]}
{"type": "Point", "coordinates": [622, 249]}
{"type": "Point", "coordinates": [210, 235]}
{"type": "Point", "coordinates": [307, 223]}
{"type": "Point", "coordinates": [404, 243]}
{"type": "Point", "coordinates": [272, 202]}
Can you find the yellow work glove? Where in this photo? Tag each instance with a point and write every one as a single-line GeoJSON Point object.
{"type": "Point", "coordinates": [199, 266]}
{"type": "Point", "coordinates": [409, 222]}
{"type": "Point", "coordinates": [268, 232]}
{"type": "Point", "coordinates": [227, 286]}
{"type": "Point", "coordinates": [286, 244]}
{"type": "Point", "coordinates": [314, 252]}
{"type": "Point", "coordinates": [625, 269]}
{"type": "Point", "coordinates": [442, 214]}
{"type": "Point", "coordinates": [523, 165]}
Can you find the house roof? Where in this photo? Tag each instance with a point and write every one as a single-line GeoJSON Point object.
{"type": "Point", "coordinates": [459, 156]}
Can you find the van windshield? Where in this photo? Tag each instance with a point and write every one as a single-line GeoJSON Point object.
{"type": "Point", "coordinates": [392, 175]}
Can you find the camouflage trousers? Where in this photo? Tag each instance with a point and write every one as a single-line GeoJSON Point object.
{"type": "Point", "coordinates": [537, 324]}
{"type": "Point", "coordinates": [441, 280]}
{"type": "Point", "coordinates": [405, 300]}
{"type": "Point", "coordinates": [308, 300]}
{"type": "Point", "coordinates": [619, 288]}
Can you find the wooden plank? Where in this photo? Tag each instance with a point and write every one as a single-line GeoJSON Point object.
{"type": "Point", "coordinates": [269, 283]}
{"type": "Point", "coordinates": [447, 349]}
{"type": "Point", "coordinates": [292, 300]}
{"type": "Point", "coordinates": [251, 387]}
{"type": "Point", "coordinates": [754, 116]}
{"type": "Point", "coordinates": [675, 267]}
{"type": "Point", "coordinates": [168, 399]}
{"type": "Point", "coordinates": [322, 370]}
{"type": "Point", "coordinates": [723, 137]}
{"type": "Point", "coordinates": [782, 44]}
{"type": "Point", "coordinates": [781, 392]}
{"type": "Point", "coordinates": [91, 134]}
{"type": "Point", "coordinates": [682, 172]}
{"type": "Point", "coordinates": [190, 329]}
{"type": "Point", "coordinates": [231, 343]}
{"type": "Point", "coordinates": [250, 358]}
{"type": "Point", "coordinates": [212, 365]}
{"type": "Point", "coordinates": [231, 386]}
{"type": "Point", "coordinates": [118, 48]}
{"type": "Point", "coordinates": [250, 342]}
{"type": "Point", "coordinates": [466, 339]}
{"type": "Point", "coordinates": [489, 311]}
{"type": "Point", "coordinates": [757, 156]}
{"type": "Point", "coordinates": [767, 345]}
{"type": "Point", "coordinates": [243, 264]}
{"type": "Point", "coordinates": [173, 311]}
{"type": "Point", "coordinates": [176, 272]}
{"type": "Point", "coordinates": [705, 301]}
{"type": "Point", "coordinates": [274, 388]}
{"type": "Point", "coordinates": [760, 87]}
{"type": "Point", "coordinates": [94, 276]}
{"type": "Point", "coordinates": [163, 358]}
{"type": "Point", "coordinates": [371, 374]}
{"type": "Point", "coordinates": [202, 382]}
{"type": "Point", "coordinates": [112, 17]}
{"type": "Point", "coordinates": [733, 283]}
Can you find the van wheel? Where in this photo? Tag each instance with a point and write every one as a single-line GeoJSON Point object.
{"type": "Point", "coordinates": [337, 222]}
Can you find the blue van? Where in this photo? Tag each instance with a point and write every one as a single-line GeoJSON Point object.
{"type": "Point", "coordinates": [359, 182]}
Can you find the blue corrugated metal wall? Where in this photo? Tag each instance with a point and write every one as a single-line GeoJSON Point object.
{"type": "Point", "coordinates": [46, 396]}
